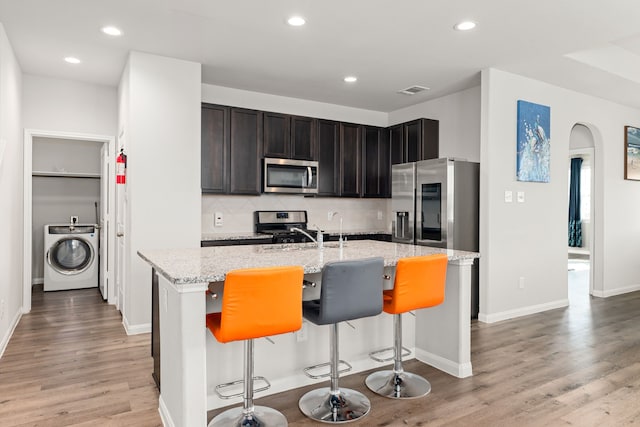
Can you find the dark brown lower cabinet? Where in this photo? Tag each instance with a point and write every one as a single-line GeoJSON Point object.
{"type": "Point", "coordinates": [155, 327]}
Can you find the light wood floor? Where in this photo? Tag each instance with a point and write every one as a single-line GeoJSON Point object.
{"type": "Point", "coordinates": [70, 363]}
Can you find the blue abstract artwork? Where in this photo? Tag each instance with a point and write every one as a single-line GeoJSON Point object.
{"type": "Point", "coordinates": [534, 142]}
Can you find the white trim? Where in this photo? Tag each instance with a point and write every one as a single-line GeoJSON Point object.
{"type": "Point", "coordinates": [460, 370]}
{"type": "Point", "coordinates": [29, 134]}
{"type": "Point", "coordinates": [524, 311]}
{"type": "Point", "coordinates": [617, 291]}
{"type": "Point", "coordinates": [143, 328]}
{"type": "Point", "coordinates": [165, 416]}
{"type": "Point", "coordinates": [37, 281]}
{"type": "Point", "coordinates": [7, 337]}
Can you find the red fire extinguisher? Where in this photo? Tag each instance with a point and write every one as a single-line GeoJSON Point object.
{"type": "Point", "coordinates": [121, 167]}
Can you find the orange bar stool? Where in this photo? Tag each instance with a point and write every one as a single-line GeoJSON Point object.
{"type": "Point", "coordinates": [349, 290]}
{"type": "Point", "coordinates": [419, 283]}
{"type": "Point", "coordinates": [256, 303]}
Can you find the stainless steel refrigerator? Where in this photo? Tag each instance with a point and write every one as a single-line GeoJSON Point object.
{"type": "Point", "coordinates": [436, 203]}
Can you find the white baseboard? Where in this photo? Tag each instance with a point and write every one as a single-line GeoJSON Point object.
{"type": "Point", "coordinates": [143, 328]}
{"type": "Point", "coordinates": [9, 334]}
{"type": "Point", "coordinates": [617, 291]}
{"type": "Point", "coordinates": [524, 311]}
{"type": "Point", "coordinates": [460, 370]}
{"type": "Point", "coordinates": [37, 281]}
{"type": "Point", "coordinates": [165, 417]}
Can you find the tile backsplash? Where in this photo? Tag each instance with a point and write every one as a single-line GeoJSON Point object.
{"type": "Point", "coordinates": [237, 212]}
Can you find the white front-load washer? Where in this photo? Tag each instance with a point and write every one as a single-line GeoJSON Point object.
{"type": "Point", "coordinates": [70, 256]}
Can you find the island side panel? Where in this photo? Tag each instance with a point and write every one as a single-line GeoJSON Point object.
{"type": "Point", "coordinates": [183, 398]}
{"type": "Point", "coordinates": [443, 333]}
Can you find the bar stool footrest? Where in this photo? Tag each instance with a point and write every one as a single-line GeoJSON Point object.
{"type": "Point", "coordinates": [308, 370]}
{"type": "Point", "coordinates": [220, 388]}
{"type": "Point", "coordinates": [374, 354]}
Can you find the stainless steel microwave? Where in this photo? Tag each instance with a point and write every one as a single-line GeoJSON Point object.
{"type": "Point", "coordinates": [290, 176]}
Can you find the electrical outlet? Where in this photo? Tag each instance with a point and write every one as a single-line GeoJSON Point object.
{"type": "Point", "coordinates": [521, 283]}
{"type": "Point", "coordinates": [74, 219]}
{"type": "Point", "coordinates": [331, 214]}
{"type": "Point", "coordinates": [379, 215]}
{"type": "Point", "coordinates": [217, 219]}
{"type": "Point", "coordinates": [301, 334]}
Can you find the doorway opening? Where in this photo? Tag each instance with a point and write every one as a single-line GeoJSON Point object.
{"type": "Point", "coordinates": [581, 215]}
{"type": "Point", "coordinates": [67, 200]}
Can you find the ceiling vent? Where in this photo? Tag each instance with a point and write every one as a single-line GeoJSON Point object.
{"type": "Point", "coordinates": [412, 90]}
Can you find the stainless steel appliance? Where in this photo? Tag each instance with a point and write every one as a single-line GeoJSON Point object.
{"type": "Point", "coordinates": [436, 203]}
{"type": "Point", "coordinates": [290, 176]}
{"type": "Point", "coordinates": [284, 226]}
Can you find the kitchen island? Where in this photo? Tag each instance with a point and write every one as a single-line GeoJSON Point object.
{"type": "Point", "coordinates": [193, 362]}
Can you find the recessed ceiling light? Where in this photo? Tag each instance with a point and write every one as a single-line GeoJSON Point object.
{"type": "Point", "coordinates": [465, 26]}
{"type": "Point", "coordinates": [296, 21]}
{"type": "Point", "coordinates": [72, 60]}
{"type": "Point", "coordinates": [112, 31]}
{"type": "Point", "coordinates": [351, 79]}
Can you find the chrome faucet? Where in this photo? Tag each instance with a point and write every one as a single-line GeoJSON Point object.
{"type": "Point", "coordinates": [318, 240]}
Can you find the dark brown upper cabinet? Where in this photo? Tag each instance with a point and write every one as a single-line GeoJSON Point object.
{"type": "Point", "coordinates": [350, 160]}
{"type": "Point", "coordinates": [214, 148]}
{"type": "Point", "coordinates": [376, 163]}
{"type": "Point", "coordinates": [246, 138]}
{"type": "Point", "coordinates": [328, 155]}
{"type": "Point", "coordinates": [289, 137]}
{"type": "Point", "coordinates": [230, 150]}
{"type": "Point", "coordinates": [414, 140]}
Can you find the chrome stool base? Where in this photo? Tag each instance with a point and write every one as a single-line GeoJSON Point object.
{"type": "Point", "coordinates": [346, 406]}
{"type": "Point", "coordinates": [403, 385]}
{"type": "Point", "coordinates": [260, 417]}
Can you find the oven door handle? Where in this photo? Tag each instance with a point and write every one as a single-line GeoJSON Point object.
{"type": "Point", "coordinates": [309, 176]}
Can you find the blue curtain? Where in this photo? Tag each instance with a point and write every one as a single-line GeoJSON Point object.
{"type": "Point", "coordinates": [575, 222]}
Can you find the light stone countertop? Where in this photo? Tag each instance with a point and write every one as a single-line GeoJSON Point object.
{"type": "Point", "coordinates": [210, 264]}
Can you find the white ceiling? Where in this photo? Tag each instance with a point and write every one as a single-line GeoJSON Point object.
{"type": "Point", "coordinates": [590, 46]}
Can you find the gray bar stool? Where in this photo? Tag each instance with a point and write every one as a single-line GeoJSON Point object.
{"type": "Point", "coordinates": [420, 283]}
{"type": "Point", "coordinates": [350, 290]}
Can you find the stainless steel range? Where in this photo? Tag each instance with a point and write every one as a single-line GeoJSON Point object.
{"type": "Point", "coordinates": [284, 226]}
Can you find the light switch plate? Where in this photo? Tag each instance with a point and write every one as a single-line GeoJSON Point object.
{"type": "Point", "coordinates": [508, 196]}
{"type": "Point", "coordinates": [520, 196]}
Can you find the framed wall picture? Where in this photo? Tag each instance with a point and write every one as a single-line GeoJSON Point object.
{"type": "Point", "coordinates": [632, 153]}
{"type": "Point", "coordinates": [533, 161]}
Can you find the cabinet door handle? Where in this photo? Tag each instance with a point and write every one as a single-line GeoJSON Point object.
{"type": "Point", "coordinates": [119, 234]}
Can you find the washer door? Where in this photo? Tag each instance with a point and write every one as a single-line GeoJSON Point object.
{"type": "Point", "coordinates": [70, 255]}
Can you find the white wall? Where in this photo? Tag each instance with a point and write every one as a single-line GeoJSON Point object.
{"type": "Point", "coordinates": [160, 101]}
{"type": "Point", "coordinates": [528, 239]}
{"type": "Point", "coordinates": [68, 106]}
{"type": "Point", "coordinates": [282, 104]}
{"type": "Point", "coordinates": [11, 212]}
{"type": "Point", "coordinates": [459, 116]}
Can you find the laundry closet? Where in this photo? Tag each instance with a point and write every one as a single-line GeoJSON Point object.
{"type": "Point", "coordinates": [66, 195]}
